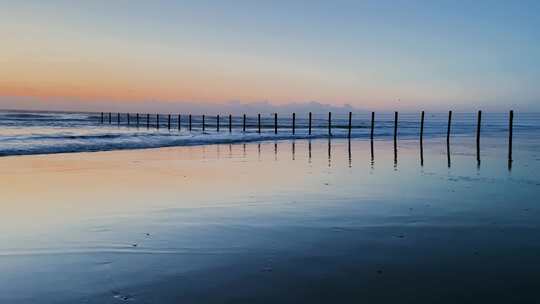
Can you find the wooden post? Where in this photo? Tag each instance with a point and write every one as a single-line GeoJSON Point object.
{"type": "Point", "coordinates": [110, 118]}
{"type": "Point", "coordinates": [148, 121]}
{"type": "Point", "coordinates": [372, 124]}
{"type": "Point", "coordinates": [275, 123]}
{"type": "Point", "coordinates": [309, 128]}
{"type": "Point", "coordinates": [101, 117]}
{"type": "Point", "coordinates": [259, 123]}
{"type": "Point", "coordinates": [137, 120]}
{"type": "Point", "coordinates": [449, 126]}
{"type": "Point", "coordinates": [395, 139]}
{"type": "Point", "coordinates": [293, 123]}
{"type": "Point", "coordinates": [230, 123]}
{"type": "Point", "coordinates": [127, 114]}
{"type": "Point", "coordinates": [118, 118]}
{"type": "Point", "coordinates": [169, 122]}
{"type": "Point", "coordinates": [179, 120]}
{"type": "Point", "coordinates": [244, 123]}
{"type": "Point", "coordinates": [448, 139]}
{"type": "Point", "coordinates": [395, 125]}
{"type": "Point", "coordinates": [189, 122]}
{"type": "Point", "coordinates": [478, 126]}
{"type": "Point", "coordinates": [350, 124]}
{"type": "Point", "coordinates": [422, 127]}
{"type": "Point", "coordinates": [203, 122]}
{"type": "Point", "coordinates": [329, 123]}
{"type": "Point", "coordinates": [510, 134]}
{"type": "Point", "coordinates": [157, 121]}
{"type": "Point", "coordinates": [217, 123]}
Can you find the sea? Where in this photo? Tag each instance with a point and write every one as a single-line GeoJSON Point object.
{"type": "Point", "coordinates": [29, 133]}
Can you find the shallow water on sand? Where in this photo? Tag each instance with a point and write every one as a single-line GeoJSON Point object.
{"type": "Point", "coordinates": [287, 221]}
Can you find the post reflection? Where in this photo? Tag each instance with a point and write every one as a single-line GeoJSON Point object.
{"type": "Point", "coordinates": [395, 154]}
{"type": "Point", "coordinates": [220, 152]}
{"type": "Point", "coordinates": [478, 159]}
{"type": "Point", "coordinates": [329, 152]}
{"type": "Point", "coordinates": [448, 154]}
{"type": "Point", "coordinates": [372, 162]}
{"type": "Point", "coordinates": [350, 154]}
{"type": "Point", "coordinates": [478, 153]}
{"type": "Point", "coordinates": [309, 151]}
{"type": "Point", "coordinates": [421, 153]}
{"type": "Point", "coordinates": [293, 146]}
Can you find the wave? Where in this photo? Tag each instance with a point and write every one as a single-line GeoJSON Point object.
{"type": "Point", "coordinates": [109, 142]}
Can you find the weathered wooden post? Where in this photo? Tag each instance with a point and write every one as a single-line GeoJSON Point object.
{"type": "Point", "coordinates": [309, 127]}
{"type": "Point", "coordinates": [169, 122]}
{"type": "Point", "coordinates": [395, 125]}
{"type": "Point", "coordinates": [148, 121]}
{"type": "Point", "coordinates": [259, 123]}
{"type": "Point", "coordinates": [157, 121]}
{"type": "Point", "coordinates": [293, 123]}
{"type": "Point", "coordinates": [179, 120]}
{"type": "Point", "coordinates": [244, 123]}
{"type": "Point", "coordinates": [510, 134]}
{"type": "Point", "coordinates": [275, 123]}
{"type": "Point", "coordinates": [329, 123]}
{"type": "Point", "coordinates": [127, 114]}
{"type": "Point", "coordinates": [422, 127]}
{"type": "Point", "coordinates": [230, 123]}
{"type": "Point", "coordinates": [203, 127]}
{"type": "Point", "coordinates": [101, 117]}
{"type": "Point", "coordinates": [189, 126]}
{"type": "Point", "coordinates": [110, 118]}
{"type": "Point", "coordinates": [478, 126]}
{"type": "Point", "coordinates": [350, 124]}
{"type": "Point", "coordinates": [137, 120]}
{"type": "Point", "coordinates": [118, 118]}
{"type": "Point", "coordinates": [372, 124]}
{"type": "Point", "coordinates": [448, 139]}
{"type": "Point", "coordinates": [449, 126]}
{"type": "Point", "coordinates": [217, 123]}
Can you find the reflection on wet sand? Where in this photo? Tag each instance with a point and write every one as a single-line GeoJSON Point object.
{"type": "Point", "coordinates": [329, 152]}
{"type": "Point", "coordinates": [309, 150]}
{"type": "Point", "coordinates": [372, 162]}
{"type": "Point", "coordinates": [293, 148]}
{"type": "Point", "coordinates": [350, 153]}
{"type": "Point", "coordinates": [448, 154]}
{"type": "Point", "coordinates": [308, 146]}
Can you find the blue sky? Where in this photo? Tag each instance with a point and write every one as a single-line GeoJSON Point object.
{"type": "Point", "coordinates": [394, 54]}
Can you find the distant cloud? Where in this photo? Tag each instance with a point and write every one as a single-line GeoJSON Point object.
{"type": "Point", "coordinates": [234, 107]}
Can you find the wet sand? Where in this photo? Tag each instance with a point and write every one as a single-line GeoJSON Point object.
{"type": "Point", "coordinates": [273, 222]}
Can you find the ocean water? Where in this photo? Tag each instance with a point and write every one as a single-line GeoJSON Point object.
{"type": "Point", "coordinates": [24, 133]}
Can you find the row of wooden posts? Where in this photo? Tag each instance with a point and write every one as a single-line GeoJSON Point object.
{"type": "Point", "coordinates": [259, 126]}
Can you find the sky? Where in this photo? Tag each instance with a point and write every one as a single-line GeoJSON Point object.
{"type": "Point", "coordinates": [439, 55]}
